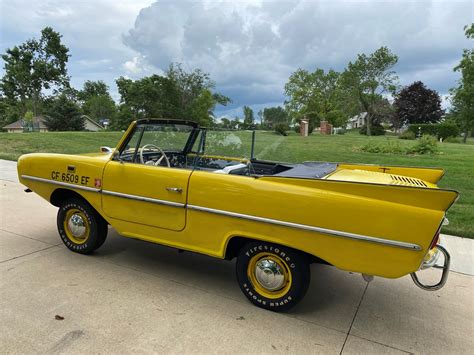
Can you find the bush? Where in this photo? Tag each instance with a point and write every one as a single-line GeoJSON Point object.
{"type": "Point", "coordinates": [452, 140]}
{"type": "Point", "coordinates": [407, 135]}
{"type": "Point", "coordinates": [389, 147]}
{"type": "Point", "coordinates": [375, 130]}
{"type": "Point", "coordinates": [281, 128]}
{"type": "Point", "coordinates": [425, 145]}
{"type": "Point", "coordinates": [447, 129]}
{"type": "Point", "coordinates": [426, 128]}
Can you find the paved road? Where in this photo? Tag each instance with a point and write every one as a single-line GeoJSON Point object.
{"type": "Point", "coordinates": [132, 296]}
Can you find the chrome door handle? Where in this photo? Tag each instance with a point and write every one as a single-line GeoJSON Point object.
{"type": "Point", "coordinates": [174, 189]}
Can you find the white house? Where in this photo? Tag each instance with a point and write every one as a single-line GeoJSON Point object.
{"type": "Point", "coordinates": [357, 121]}
{"type": "Point", "coordinates": [37, 125]}
{"type": "Point", "coordinates": [91, 125]}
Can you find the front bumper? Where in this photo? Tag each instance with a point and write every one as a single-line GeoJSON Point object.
{"type": "Point", "coordinates": [431, 262]}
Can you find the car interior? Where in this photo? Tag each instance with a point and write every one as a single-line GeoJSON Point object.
{"type": "Point", "coordinates": [196, 159]}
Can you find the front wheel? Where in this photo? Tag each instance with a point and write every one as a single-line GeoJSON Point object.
{"type": "Point", "coordinates": [80, 227]}
{"type": "Point", "coordinates": [272, 276]}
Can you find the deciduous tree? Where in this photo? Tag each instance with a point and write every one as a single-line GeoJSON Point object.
{"type": "Point", "coordinates": [34, 66]}
{"type": "Point", "coordinates": [368, 78]}
{"type": "Point", "coordinates": [313, 95]}
{"type": "Point", "coordinates": [248, 118]}
{"type": "Point", "coordinates": [463, 95]}
{"type": "Point", "coordinates": [418, 104]}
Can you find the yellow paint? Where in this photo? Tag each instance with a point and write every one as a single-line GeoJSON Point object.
{"type": "Point", "coordinates": [260, 289]}
{"type": "Point", "coordinates": [79, 239]}
{"type": "Point", "coordinates": [350, 200]}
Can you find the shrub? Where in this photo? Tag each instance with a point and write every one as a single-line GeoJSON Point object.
{"type": "Point", "coordinates": [375, 130]}
{"type": "Point", "coordinates": [388, 148]}
{"type": "Point", "coordinates": [281, 128]}
{"type": "Point", "coordinates": [452, 140]}
{"type": "Point", "coordinates": [407, 135]}
{"type": "Point", "coordinates": [447, 129]}
{"type": "Point", "coordinates": [425, 145]}
{"type": "Point", "coordinates": [426, 128]}
{"type": "Point", "coordinates": [296, 128]}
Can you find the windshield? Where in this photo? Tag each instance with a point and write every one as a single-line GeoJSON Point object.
{"type": "Point", "coordinates": [169, 137]}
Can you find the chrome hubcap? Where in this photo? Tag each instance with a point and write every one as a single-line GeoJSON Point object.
{"type": "Point", "coordinates": [269, 274]}
{"type": "Point", "coordinates": [76, 225]}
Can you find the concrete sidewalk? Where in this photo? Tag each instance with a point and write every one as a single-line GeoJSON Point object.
{"type": "Point", "coordinates": [132, 296]}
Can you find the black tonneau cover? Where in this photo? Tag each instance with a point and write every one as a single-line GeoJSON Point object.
{"type": "Point", "coordinates": [313, 170]}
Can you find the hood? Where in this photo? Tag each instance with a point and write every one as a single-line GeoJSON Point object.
{"type": "Point", "coordinates": [374, 177]}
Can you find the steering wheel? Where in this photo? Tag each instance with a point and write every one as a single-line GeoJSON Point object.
{"type": "Point", "coordinates": [163, 155]}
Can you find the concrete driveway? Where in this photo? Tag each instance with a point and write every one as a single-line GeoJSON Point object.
{"type": "Point", "coordinates": [132, 296]}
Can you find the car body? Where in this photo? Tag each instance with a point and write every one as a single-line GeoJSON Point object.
{"type": "Point", "coordinates": [164, 184]}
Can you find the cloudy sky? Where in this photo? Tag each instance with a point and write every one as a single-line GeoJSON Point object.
{"type": "Point", "coordinates": [249, 47]}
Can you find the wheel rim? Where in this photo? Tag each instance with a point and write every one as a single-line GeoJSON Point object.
{"type": "Point", "coordinates": [269, 275]}
{"type": "Point", "coordinates": [76, 226]}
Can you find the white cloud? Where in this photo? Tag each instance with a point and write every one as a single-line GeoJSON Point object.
{"type": "Point", "coordinates": [250, 48]}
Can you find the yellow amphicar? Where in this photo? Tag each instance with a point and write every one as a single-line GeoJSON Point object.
{"type": "Point", "coordinates": [174, 183]}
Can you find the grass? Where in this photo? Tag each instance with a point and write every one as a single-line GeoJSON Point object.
{"type": "Point", "coordinates": [456, 159]}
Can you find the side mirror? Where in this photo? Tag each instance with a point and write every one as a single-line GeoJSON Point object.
{"type": "Point", "coordinates": [106, 150]}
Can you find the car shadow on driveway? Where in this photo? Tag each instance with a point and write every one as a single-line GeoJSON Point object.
{"type": "Point", "coordinates": [331, 300]}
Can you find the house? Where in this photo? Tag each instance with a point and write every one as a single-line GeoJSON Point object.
{"type": "Point", "coordinates": [357, 121]}
{"type": "Point", "coordinates": [91, 125]}
{"type": "Point", "coordinates": [20, 126]}
{"type": "Point", "coordinates": [37, 125]}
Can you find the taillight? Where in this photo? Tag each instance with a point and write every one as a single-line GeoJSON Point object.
{"type": "Point", "coordinates": [435, 240]}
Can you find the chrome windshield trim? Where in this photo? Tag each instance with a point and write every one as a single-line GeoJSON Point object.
{"type": "Point", "coordinates": [60, 183]}
{"type": "Point", "coordinates": [365, 238]}
{"type": "Point", "coordinates": [144, 199]}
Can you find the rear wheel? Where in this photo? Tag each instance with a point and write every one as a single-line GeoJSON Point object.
{"type": "Point", "coordinates": [272, 276]}
{"type": "Point", "coordinates": [80, 227]}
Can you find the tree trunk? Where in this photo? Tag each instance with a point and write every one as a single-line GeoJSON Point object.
{"type": "Point", "coordinates": [368, 124]}
{"type": "Point", "coordinates": [466, 132]}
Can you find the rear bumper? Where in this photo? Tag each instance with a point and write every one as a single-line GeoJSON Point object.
{"type": "Point", "coordinates": [431, 262]}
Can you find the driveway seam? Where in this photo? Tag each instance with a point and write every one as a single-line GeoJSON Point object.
{"type": "Point", "coordinates": [353, 319]}
{"type": "Point", "coordinates": [25, 236]}
{"type": "Point", "coordinates": [376, 342]}
{"type": "Point", "coordinates": [33, 252]}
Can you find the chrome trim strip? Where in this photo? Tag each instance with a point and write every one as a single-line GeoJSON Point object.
{"type": "Point", "coordinates": [142, 198]}
{"type": "Point", "coordinates": [393, 243]}
{"type": "Point", "coordinates": [60, 183]}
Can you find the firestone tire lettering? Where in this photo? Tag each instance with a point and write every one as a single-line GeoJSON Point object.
{"type": "Point", "coordinates": [297, 263]}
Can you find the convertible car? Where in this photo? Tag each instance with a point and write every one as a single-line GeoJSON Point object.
{"type": "Point", "coordinates": [174, 183]}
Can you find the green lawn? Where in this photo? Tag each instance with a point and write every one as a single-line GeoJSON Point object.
{"type": "Point", "coordinates": [456, 159]}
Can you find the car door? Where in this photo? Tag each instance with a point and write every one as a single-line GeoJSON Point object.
{"type": "Point", "coordinates": [144, 194]}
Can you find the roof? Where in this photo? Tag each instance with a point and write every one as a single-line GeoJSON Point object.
{"type": "Point", "coordinates": [92, 121]}
{"type": "Point", "coordinates": [357, 117]}
{"type": "Point", "coordinates": [38, 122]}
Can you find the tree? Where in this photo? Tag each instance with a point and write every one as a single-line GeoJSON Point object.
{"type": "Point", "coordinates": [178, 94]}
{"type": "Point", "coordinates": [96, 100]}
{"type": "Point", "coordinates": [248, 118]}
{"type": "Point", "coordinates": [192, 86]}
{"type": "Point", "coordinates": [34, 66]}
{"type": "Point", "coordinates": [368, 78]}
{"type": "Point", "coordinates": [314, 95]}
{"type": "Point", "coordinates": [463, 95]}
{"type": "Point", "coordinates": [275, 115]}
{"type": "Point", "coordinates": [93, 89]}
{"type": "Point", "coordinates": [418, 104]}
{"type": "Point", "coordinates": [64, 115]}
